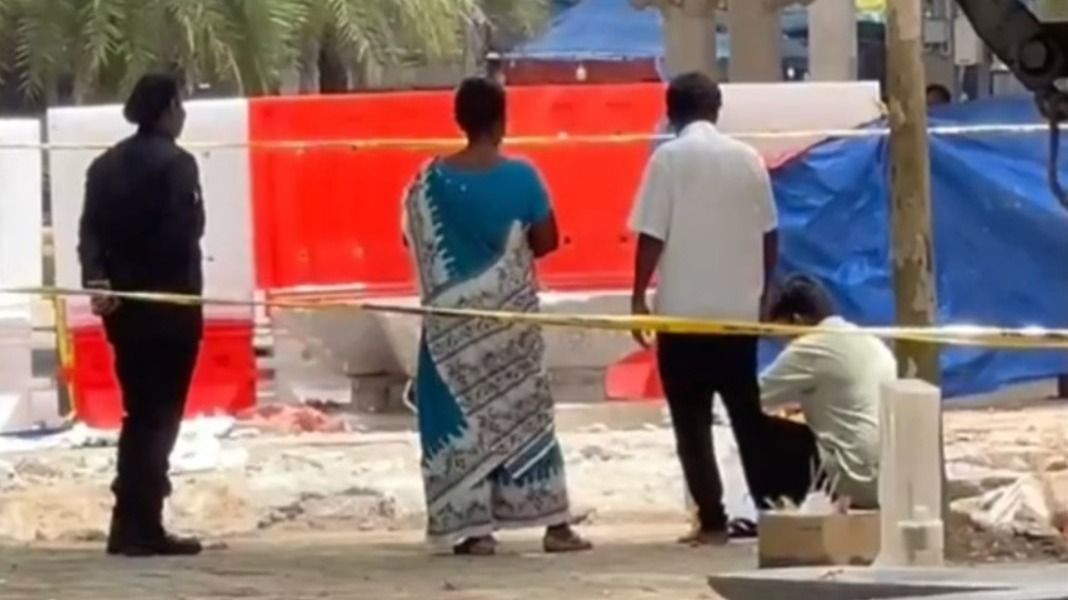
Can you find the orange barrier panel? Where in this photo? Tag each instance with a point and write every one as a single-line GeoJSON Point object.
{"type": "Point", "coordinates": [332, 216]}
{"type": "Point", "coordinates": [634, 378]}
{"type": "Point", "coordinates": [224, 381]}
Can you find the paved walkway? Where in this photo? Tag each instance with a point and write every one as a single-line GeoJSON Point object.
{"type": "Point", "coordinates": [634, 563]}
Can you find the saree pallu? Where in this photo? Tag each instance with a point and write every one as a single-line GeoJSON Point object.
{"type": "Point", "coordinates": [490, 456]}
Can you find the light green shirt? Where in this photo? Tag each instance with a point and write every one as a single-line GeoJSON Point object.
{"type": "Point", "coordinates": [835, 378]}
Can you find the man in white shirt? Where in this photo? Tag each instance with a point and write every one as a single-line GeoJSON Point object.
{"type": "Point", "coordinates": [706, 223]}
{"type": "Point", "coordinates": [835, 378]}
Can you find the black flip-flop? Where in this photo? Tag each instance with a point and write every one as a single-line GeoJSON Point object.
{"type": "Point", "coordinates": [742, 529]}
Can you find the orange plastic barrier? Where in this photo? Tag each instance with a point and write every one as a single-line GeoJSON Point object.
{"type": "Point", "coordinates": [332, 216]}
{"type": "Point", "coordinates": [224, 380]}
{"type": "Point", "coordinates": [635, 378]}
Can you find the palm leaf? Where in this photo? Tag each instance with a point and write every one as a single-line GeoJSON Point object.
{"type": "Point", "coordinates": [98, 37]}
{"type": "Point", "coordinates": [517, 18]}
{"type": "Point", "coordinates": [42, 45]}
{"type": "Point", "coordinates": [105, 45]}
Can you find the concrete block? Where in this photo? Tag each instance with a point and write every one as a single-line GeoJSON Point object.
{"type": "Point", "coordinates": [797, 540]}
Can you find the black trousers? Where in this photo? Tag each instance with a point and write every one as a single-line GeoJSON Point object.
{"type": "Point", "coordinates": [792, 460]}
{"type": "Point", "coordinates": [155, 375]}
{"type": "Point", "coordinates": [693, 369]}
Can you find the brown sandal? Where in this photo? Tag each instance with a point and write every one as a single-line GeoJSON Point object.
{"type": "Point", "coordinates": [564, 540]}
{"type": "Point", "coordinates": [477, 546]}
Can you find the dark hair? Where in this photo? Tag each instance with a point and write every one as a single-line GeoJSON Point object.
{"type": "Point", "coordinates": [803, 296]}
{"type": "Point", "coordinates": [480, 106]}
{"type": "Point", "coordinates": [151, 97]}
{"type": "Point", "coordinates": [692, 97]}
{"type": "Point", "coordinates": [941, 91]}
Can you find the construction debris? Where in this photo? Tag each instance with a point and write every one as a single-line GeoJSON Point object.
{"type": "Point", "coordinates": [292, 420]}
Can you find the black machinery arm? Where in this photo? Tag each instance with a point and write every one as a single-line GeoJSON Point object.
{"type": "Point", "coordinates": [1037, 53]}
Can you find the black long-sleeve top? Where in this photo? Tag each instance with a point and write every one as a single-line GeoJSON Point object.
{"type": "Point", "coordinates": [140, 230]}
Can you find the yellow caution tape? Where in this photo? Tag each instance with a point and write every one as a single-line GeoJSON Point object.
{"type": "Point", "coordinates": [545, 140]}
{"type": "Point", "coordinates": [1027, 338]}
{"type": "Point", "coordinates": [871, 6]}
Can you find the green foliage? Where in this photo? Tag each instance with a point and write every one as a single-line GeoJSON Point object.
{"type": "Point", "coordinates": [99, 47]}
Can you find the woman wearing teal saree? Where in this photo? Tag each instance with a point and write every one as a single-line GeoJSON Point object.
{"type": "Point", "coordinates": [475, 222]}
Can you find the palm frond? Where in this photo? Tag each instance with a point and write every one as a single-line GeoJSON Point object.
{"type": "Point", "coordinates": [98, 37]}
{"type": "Point", "coordinates": [7, 14]}
{"type": "Point", "coordinates": [42, 45]}
{"type": "Point", "coordinates": [521, 18]}
{"type": "Point", "coordinates": [105, 45]}
{"type": "Point", "coordinates": [266, 35]}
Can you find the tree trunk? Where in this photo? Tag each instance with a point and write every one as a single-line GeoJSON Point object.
{"type": "Point", "coordinates": [913, 259]}
{"type": "Point", "coordinates": [80, 86]}
{"type": "Point", "coordinates": [309, 82]}
{"type": "Point", "coordinates": [333, 75]}
{"type": "Point", "coordinates": [910, 206]}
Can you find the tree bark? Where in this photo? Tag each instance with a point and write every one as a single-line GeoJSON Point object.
{"type": "Point", "coordinates": [910, 207]}
{"type": "Point", "coordinates": [913, 254]}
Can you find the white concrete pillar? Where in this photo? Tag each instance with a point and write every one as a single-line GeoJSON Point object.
{"type": "Point", "coordinates": [689, 35]}
{"type": "Point", "coordinates": [756, 41]}
{"type": "Point", "coordinates": [832, 40]}
{"type": "Point", "coordinates": [910, 474]}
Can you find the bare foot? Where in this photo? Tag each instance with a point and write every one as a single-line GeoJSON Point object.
{"type": "Point", "coordinates": [562, 539]}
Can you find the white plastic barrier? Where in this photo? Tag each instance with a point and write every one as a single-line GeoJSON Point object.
{"type": "Point", "coordinates": [795, 108]}
{"type": "Point", "coordinates": [225, 178]}
{"type": "Point", "coordinates": [21, 205]}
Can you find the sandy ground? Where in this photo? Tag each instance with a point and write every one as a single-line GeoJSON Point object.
{"type": "Point", "coordinates": [370, 481]}
{"type": "Point", "coordinates": [630, 562]}
{"type": "Point", "coordinates": [322, 516]}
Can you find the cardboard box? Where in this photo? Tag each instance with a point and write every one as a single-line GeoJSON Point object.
{"type": "Point", "coordinates": [797, 540]}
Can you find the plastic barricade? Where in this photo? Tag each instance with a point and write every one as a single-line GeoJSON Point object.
{"type": "Point", "coordinates": [224, 380]}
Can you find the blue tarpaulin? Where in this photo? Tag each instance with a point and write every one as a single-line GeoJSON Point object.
{"type": "Point", "coordinates": [599, 30]}
{"type": "Point", "coordinates": [614, 30]}
{"type": "Point", "coordinates": [1001, 238]}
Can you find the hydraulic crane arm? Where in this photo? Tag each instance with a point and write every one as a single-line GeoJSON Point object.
{"type": "Point", "coordinates": [1037, 53]}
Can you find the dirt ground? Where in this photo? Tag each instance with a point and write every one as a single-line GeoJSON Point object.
{"type": "Point", "coordinates": [637, 563]}
{"type": "Point", "coordinates": [338, 516]}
